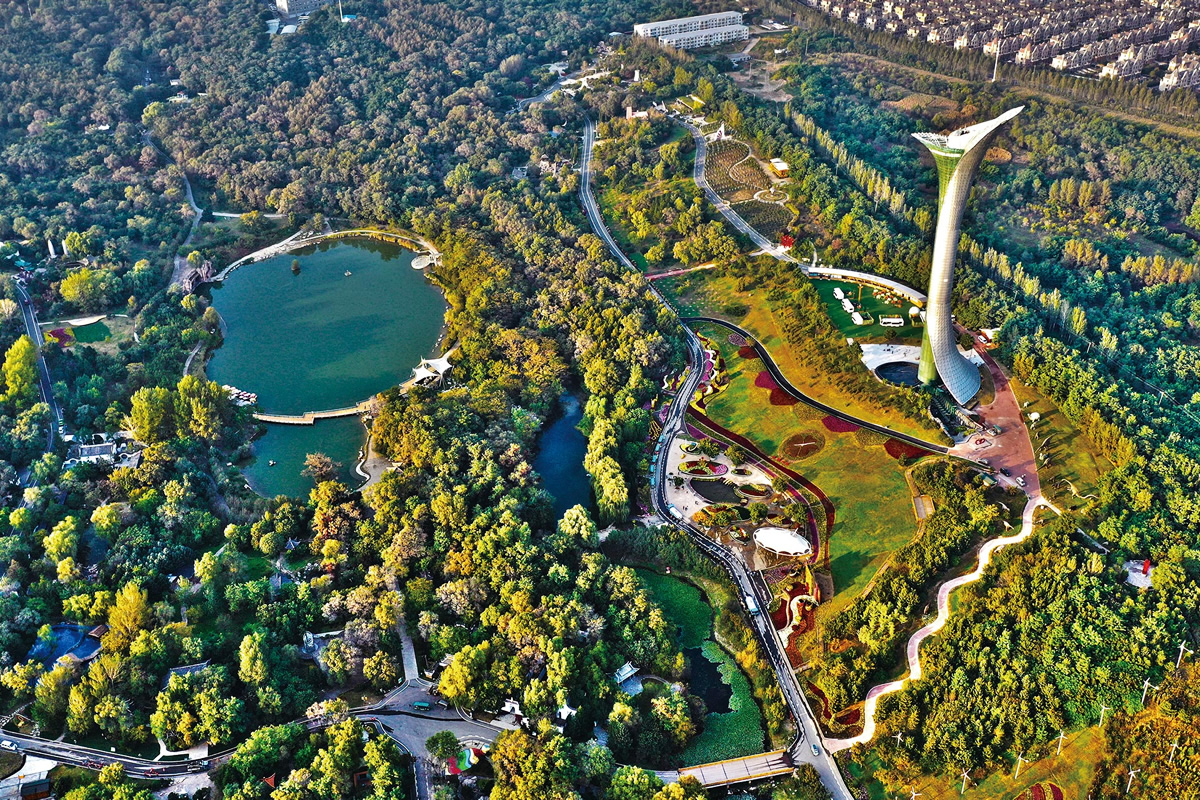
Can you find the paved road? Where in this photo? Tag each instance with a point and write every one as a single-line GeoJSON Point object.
{"type": "Point", "coordinates": [943, 601]}
{"type": "Point", "coordinates": [748, 585]}
{"type": "Point", "coordinates": [44, 384]}
{"type": "Point", "coordinates": [787, 386]}
{"type": "Point", "coordinates": [180, 264]}
{"type": "Point", "coordinates": [727, 211]}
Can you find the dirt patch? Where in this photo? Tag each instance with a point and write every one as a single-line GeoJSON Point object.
{"type": "Point", "coordinates": [918, 101]}
{"type": "Point", "coordinates": [802, 445]}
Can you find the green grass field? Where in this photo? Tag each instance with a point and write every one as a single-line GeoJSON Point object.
{"type": "Point", "coordinates": [873, 516]}
{"type": "Point", "coordinates": [1073, 457]}
{"type": "Point", "coordinates": [704, 293]}
{"type": "Point", "coordinates": [873, 306]}
{"type": "Point", "coordinates": [96, 332]}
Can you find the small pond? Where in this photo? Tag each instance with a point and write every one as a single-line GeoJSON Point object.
{"type": "Point", "coordinates": [903, 373]}
{"type": "Point", "coordinates": [716, 490]}
{"type": "Point", "coordinates": [559, 460]}
{"type": "Point", "coordinates": [706, 682]}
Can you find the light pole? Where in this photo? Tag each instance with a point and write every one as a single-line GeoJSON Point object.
{"type": "Point", "coordinates": [1103, 708]}
{"type": "Point", "coordinates": [1174, 745]}
{"type": "Point", "coordinates": [1146, 686]}
{"type": "Point", "coordinates": [1183, 648]}
{"type": "Point", "coordinates": [899, 737]}
{"type": "Point", "coordinates": [915, 793]}
{"type": "Point", "coordinates": [1061, 736]}
{"type": "Point", "coordinates": [963, 790]}
{"type": "Point", "coordinates": [1020, 760]}
{"type": "Point", "coordinates": [1129, 783]}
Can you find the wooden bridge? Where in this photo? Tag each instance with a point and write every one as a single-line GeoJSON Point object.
{"type": "Point", "coordinates": [310, 417]}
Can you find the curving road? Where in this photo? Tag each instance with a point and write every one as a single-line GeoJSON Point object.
{"type": "Point", "coordinates": [787, 386]}
{"type": "Point", "coordinates": [748, 584]}
{"type": "Point", "coordinates": [943, 616]}
{"type": "Point", "coordinates": [35, 333]}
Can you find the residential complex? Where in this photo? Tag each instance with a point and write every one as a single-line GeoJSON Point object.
{"type": "Point", "coordinates": [958, 157]}
{"type": "Point", "coordinates": [293, 7]}
{"type": "Point", "coordinates": [1105, 38]}
{"type": "Point", "coordinates": [705, 30]}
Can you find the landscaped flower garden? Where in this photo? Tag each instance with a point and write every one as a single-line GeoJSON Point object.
{"type": "Point", "coordinates": [754, 491]}
{"type": "Point", "coordinates": [1041, 791]}
{"type": "Point", "coordinates": [703, 469]}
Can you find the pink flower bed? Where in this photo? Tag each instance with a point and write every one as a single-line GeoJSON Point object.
{"type": "Point", "coordinates": [765, 381]}
{"type": "Point", "coordinates": [838, 425]}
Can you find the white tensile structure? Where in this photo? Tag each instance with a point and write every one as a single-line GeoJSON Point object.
{"type": "Point", "coordinates": [782, 541]}
{"type": "Point", "coordinates": [705, 30]}
{"type": "Point", "coordinates": [958, 157]}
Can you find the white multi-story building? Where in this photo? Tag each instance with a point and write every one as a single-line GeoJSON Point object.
{"type": "Point", "coordinates": [293, 7]}
{"type": "Point", "coordinates": [705, 30]}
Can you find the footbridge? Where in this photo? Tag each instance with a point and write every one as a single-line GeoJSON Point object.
{"type": "Point", "coordinates": [311, 417]}
{"type": "Point", "coordinates": [736, 771]}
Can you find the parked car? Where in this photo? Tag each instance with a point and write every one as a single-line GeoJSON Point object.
{"type": "Point", "coordinates": [816, 750]}
{"type": "Point", "coordinates": [8, 745]}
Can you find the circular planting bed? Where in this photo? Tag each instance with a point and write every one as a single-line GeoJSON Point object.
{"type": "Point", "coordinates": [746, 351]}
{"type": "Point", "coordinates": [688, 447]}
{"type": "Point", "coordinates": [764, 380]}
{"type": "Point", "coordinates": [754, 491]}
{"type": "Point", "coordinates": [736, 339]}
{"type": "Point", "coordinates": [802, 445]}
{"type": "Point", "coordinates": [703, 469]}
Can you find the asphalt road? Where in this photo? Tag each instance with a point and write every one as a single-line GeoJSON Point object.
{"type": "Point", "coordinates": [748, 585]}
{"type": "Point", "coordinates": [35, 333]}
{"type": "Point", "coordinates": [787, 386]}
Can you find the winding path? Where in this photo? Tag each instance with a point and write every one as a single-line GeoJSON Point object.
{"type": "Point", "coordinates": [943, 616]}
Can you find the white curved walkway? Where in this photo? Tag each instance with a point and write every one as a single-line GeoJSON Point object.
{"type": "Point", "coordinates": [943, 616]}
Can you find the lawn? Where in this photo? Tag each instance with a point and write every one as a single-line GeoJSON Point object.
{"type": "Point", "coordinates": [873, 516]}
{"type": "Point", "coordinates": [739, 732]}
{"type": "Point", "coordinates": [96, 332]}
{"type": "Point", "coordinates": [872, 306]}
{"type": "Point", "coordinates": [1073, 457]}
{"type": "Point", "coordinates": [704, 294]}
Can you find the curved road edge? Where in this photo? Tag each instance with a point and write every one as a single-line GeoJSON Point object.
{"type": "Point", "coordinates": [787, 386]}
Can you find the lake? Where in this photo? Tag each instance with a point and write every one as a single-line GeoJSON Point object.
{"type": "Point", "coordinates": [559, 460]}
{"type": "Point", "coordinates": [318, 340]}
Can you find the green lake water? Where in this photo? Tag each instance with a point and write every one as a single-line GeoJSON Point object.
{"type": "Point", "coordinates": [319, 340]}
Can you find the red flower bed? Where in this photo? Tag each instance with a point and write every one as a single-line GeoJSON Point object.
{"type": "Point", "coordinates": [838, 425]}
{"type": "Point", "coordinates": [898, 449]}
{"type": "Point", "coordinates": [779, 617]}
{"type": "Point", "coordinates": [781, 398]}
{"type": "Point", "coordinates": [746, 351]}
{"type": "Point", "coordinates": [1055, 792]}
{"type": "Point", "coordinates": [817, 693]}
{"type": "Point", "coordinates": [765, 381]}
{"type": "Point", "coordinates": [1037, 791]}
{"type": "Point", "coordinates": [850, 717]}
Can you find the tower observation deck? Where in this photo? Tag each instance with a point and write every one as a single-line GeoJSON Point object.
{"type": "Point", "coordinates": [957, 157]}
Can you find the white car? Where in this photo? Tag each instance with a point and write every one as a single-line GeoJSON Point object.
{"type": "Point", "coordinates": [816, 750]}
{"type": "Point", "coordinates": [7, 745]}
